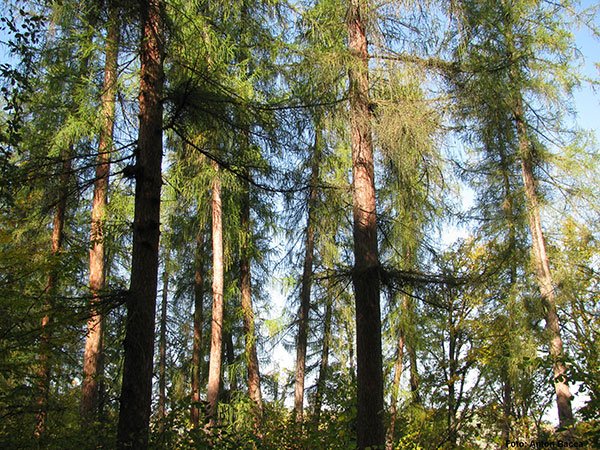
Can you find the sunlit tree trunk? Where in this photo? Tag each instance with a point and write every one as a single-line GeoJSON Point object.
{"type": "Point", "coordinates": [365, 277]}
{"type": "Point", "coordinates": [248, 312]}
{"type": "Point", "coordinates": [542, 270]}
{"type": "Point", "coordinates": [305, 288]}
{"type": "Point", "coordinates": [44, 371]}
{"type": "Point", "coordinates": [136, 389]}
{"type": "Point", "coordinates": [93, 343]}
{"type": "Point", "coordinates": [216, 335]}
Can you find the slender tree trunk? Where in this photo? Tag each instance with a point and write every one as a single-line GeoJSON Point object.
{"type": "Point", "coordinates": [370, 430]}
{"type": "Point", "coordinates": [398, 368]}
{"type": "Point", "coordinates": [162, 349]}
{"type": "Point", "coordinates": [305, 289]}
{"type": "Point", "coordinates": [324, 364]}
{"type": "Point", "coordinates": [542, 268]}
{"type": "Point", "coordinates": [216, 337]}
{"type": "Point", "coordinates": [198, 323]}
{"type": "Point", "coordinates": [452, 368]}
{"type": "Point", "coordinates": [45, 363]}
{"type": "Point", "coordinates": [248, 312]}
{"type": "Point", "coordinates": [93, 343]}
{"type": "Point", "coordinates": [136, 389]}
{"type": "Point", "coordinates": [414, 373]}
{"type": "Point", "coordinates": [508, 210]}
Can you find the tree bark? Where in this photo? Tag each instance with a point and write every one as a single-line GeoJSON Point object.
{"type": "Point", "coordinates": [162, 350]}
{"type": "Point", "coordinates": [198, 324]}
{"type": "Point", "coordinates": [248, 312]}
{"type": "Point", "coordinates": [542, 270]}
{"type": "Point", "coordinates": [136, 389]}
{"type": "Point", "coordinates": [93, 345]}
{"type": "Point", "coordinates": [365, 277]}
{"type": "Point", "coordinates": [305, 289]}
{"type": "Point", "coordinates": [216, 337]}
{"type": "Point", "coordinates": [45, 364]}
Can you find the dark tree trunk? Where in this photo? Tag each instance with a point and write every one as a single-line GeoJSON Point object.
{"type": "Point", "coordinates": [248, 312]}
{"type": "Point", "coordinates": [45, 364]}
{"type": "Point", "coordinates": [365, 277]}
{"type": "Point", "coordinates": [136, 390]}
{"type": "Point", "coordinates": [305, 288]}
{"type": "Point", "coordinates": [216, 336]}
{"type": "Point", "coordinates": [198, 325]}
{"type": "Point", "coordinates": [93, 344]}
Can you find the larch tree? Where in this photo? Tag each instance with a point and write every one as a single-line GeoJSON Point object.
{"type": "Point", "coordinates": [519, 36]}
{"type": "Point", "coordinates": [136, 390]}
{"type": "Point", "coordinates": [218, 307]}
{"type": "Point", "coordinates": [366, 272]}
{"type": "Point", "coordinates": [92, 359]}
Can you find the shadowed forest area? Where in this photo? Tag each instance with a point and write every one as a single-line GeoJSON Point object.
{"type": "Point", "coordinates": [397, 195]}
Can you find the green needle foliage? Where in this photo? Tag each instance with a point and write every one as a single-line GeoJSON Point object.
{"type": "Point", "coordinates": [470, 106]}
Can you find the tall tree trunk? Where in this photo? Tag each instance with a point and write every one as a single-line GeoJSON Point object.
{"type": "Point", "coordinates": [509, 214]}
{"type": "Point", "coordinates": [324, 364]}
{"type": "Point", "coordinates": [162, 350]}
{"type": "Point", "coordinates": [365, 277]}
{"type": "Point", "coordinates": [136, 389]}
{"type": "Point", "coordinates": [542, 268]}
{"type": "Point", "coordinates": [45, 363]}
{"type": "Point", "coordinates": [451, 380]}
{"type": "Point", "coordinates": [248, 312]}
{"type": "Point", "coordinates": [305, 288]}
{"type": "Point", "coordinates": [216, 334]}
{"type": "Point", "coordinates": [198, 324]}
{"type": "Point", "coordinates": [93, 343]}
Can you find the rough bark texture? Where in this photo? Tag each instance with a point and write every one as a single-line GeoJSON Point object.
{"type": "Point", "coordinates": [198, 323]}
{"type": "Point", "coordinates": [305, 288]}
{"type": "Point", "coordinates": [216, 333]}
{"type": "Point", "coordinates": [44, 372]}
{"type": "Point", "coordinates": [162, 350]}
{"type": "Point", "coordinates": [248, 312]}
{"type": "Point", "coordinates": [136, 389]}
{"type": "Point", "coordinates": [93, 344]}
{"type": "Point", "coordinates": [542, 268]}
{"type": "Point", "coordinates": [370, 430]}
